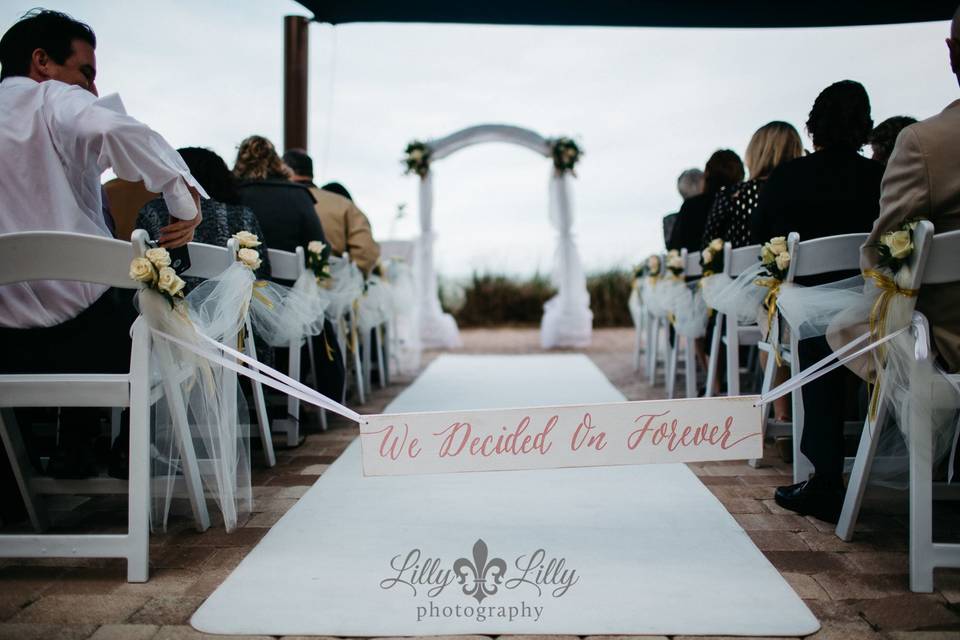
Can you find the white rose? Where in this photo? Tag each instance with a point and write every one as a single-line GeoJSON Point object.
{"type": "Point", "coordinates": [169, 281]}
{"type": "Point", "coordinates": [142, 270]}
{"type": "Point", "coordinates": [250, 258]}
{"type": "Point", "coordinates": [675, 262]}
{"type": "Point", "coordinates": [899, 242]}
{"type": "Point", "coordinates": [159, 257]}
{"type": "Point", "coordinates": [416, 155]}
{"type": "Point", "coordinates": [707, 256]}
{"type": "Point", "coordinates": [326, 269]}
{"type": "Point", "coordinates": [766, 254]}
{"type": "Point", "coordinates": [315, 246]}
{"type": "Point", "coordinates": [778, 245]}
{"type": "Point", "coordinates": [246, 239]}
{"type": "Point", "coordinates": [783, 260]}
{"type": "Point", "coordinates": [653, 263]}
{"type": "Point", "coordinates": [716, 245]}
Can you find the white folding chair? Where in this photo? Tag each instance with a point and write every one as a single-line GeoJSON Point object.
{"type": "Point", "coordinates": [44, 255]}
{"type": "Point", "coordinates": [691, 269]}
{"type": "Point", "coordinates": [209, 261]}
{"type": "Point", "coordinates": [286, 265]}
{"type": "Point", "coordinates": [735, 262]}
{"type": "Point", "coordinates": [812, 258]}
{"type": "Point", "coordinates": [936, 260]}
{"type": "Point", "coordinates": [656, 325]}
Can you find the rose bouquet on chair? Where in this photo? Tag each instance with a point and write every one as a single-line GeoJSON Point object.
{"type": "Point", "coordinates": [197, 435]}
{"type": "Point", "coordinates": [714, 280]}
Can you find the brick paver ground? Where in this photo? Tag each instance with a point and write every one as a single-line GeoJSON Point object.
{"type": "Point", "coordinates": [857, 589]}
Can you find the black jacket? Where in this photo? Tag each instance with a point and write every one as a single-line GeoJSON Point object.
{"type": "Point", "coordinates": [690, 222]}
{"type": "Point", "coordinates": [285, 211]}
{"type": "Point", "coordinates": [828, 193]}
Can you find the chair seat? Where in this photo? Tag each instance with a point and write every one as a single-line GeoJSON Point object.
{"type": "Point", "coordinates": [66, 390]}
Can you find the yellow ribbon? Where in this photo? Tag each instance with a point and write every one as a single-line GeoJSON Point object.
{"type": "Point", "coordinates": [878, 323]}
{"type": "Point", "coordinates": [260, 284]}
{"type": "Point", "coordinates": [770, 302]}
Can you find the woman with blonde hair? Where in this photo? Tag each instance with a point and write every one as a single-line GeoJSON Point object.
{"type": "Point", "coordinates": [773, 144]}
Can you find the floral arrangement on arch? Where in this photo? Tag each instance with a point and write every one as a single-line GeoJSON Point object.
{"type": "Point", "coordinates": [154, 270]}
{"type": "Point", "coordinates": [566, 154]}
{"type": "Point", "coordinates": [417, 158]}
{"type": "Point", "coordinates": [318, 260]}
{"type": "Point", "coordinates": [675, 263]}
{"type": "Point", "coordinates": [248, 254]}
{"type": "Point", "coordinates": [711, 258]}
{"type": "Point", "coordinates": [775, 258]}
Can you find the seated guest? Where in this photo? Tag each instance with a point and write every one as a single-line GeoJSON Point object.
{"type": "Point", "coordinates": [689, 184]}
{"type": "Point", "coordinates": [772, 145]}
{"type": "Point", "coordinates": [346, 227]}
{"type": "Point", "coordinates": [288, 220]}
{"type": "Point", "coordinates": [884, 135]}
{"type": "Point", "coordinates": [832, 191]}
{"type": "Point", "coordinates": [56, 138]}
{"type": "Point", "coordinates": [223, 214]}
{"type": "Point", "coordinates": [724, 168]}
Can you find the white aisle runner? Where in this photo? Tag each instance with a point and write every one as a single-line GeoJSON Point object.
{"type": "Point", "coordinates": [611, 550]}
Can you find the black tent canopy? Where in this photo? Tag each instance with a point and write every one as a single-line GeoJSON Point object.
{"type": "Point", "coordinates": [636, 13]}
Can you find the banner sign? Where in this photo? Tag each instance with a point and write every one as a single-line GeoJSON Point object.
{"type": "Point", "coordinates": [654, 431]}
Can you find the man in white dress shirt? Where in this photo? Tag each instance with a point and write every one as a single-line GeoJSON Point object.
{"type": "Point", "coordinates": [57, 137]}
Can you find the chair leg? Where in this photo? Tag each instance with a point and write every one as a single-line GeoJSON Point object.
{"type": "Point", "coordinates": [733, 356]}
{"type": "Point", "coordinates": [636, 348]}
{"type": "Point", "coordinates": [768, 371]}
{"type": "Point", "coordinates": [652, 345]}
{"type": "Point", "coordinates": [672, 355]}
{"type": "Point", "coordinates": [259, 402]}
{"type": "Point", "coordinates": [387, 331]}
{"type": "Point", "coordinates": [381, 373]}
{"type": "Point", "coordinates": [138, 498]}
{"type": "Point", "coordinates": [713, 362]}
{"type": "Point", "coordinates": [690, 358]}
{"type": "Point", "coordinates": [188, 455]}
{"type": "Point", "coordinates": [859, 474]}
{"type": "Point", "coordinates": [802, 467]}
{"type": "Point", "coordinates": [293, 404]}
{"type": "Point", "coordinates": [921, 496]}
{"type": "Point", "coordinates": [22, 469]}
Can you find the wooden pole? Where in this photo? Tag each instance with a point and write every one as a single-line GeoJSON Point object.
{"type": "Point", "coordinates": [295, 69]}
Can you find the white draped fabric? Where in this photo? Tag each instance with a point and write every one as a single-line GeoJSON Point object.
{"type": "Point", "coordinates": [567, 320]}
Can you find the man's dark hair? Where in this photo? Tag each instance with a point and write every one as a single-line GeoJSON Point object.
{"type": "Point", "coordinates": [299, 161]}
{"type": "Point", "coordinates": [337, 188]}
{"type": "Point", "coordinates": [840, 117]}
{"type": "Point", "coordinates": [52, 31]}
{"type": "Point", "coordinates": [212, 173]}
{"type": "Point", "coordinates": [883, 137]}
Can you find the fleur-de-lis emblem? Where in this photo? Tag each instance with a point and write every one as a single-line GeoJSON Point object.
{"type": "Point", "coordinates": [482, 570]}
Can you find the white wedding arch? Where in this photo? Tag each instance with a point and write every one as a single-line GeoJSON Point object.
{"type": "Point", "coordinates": [567, 319]}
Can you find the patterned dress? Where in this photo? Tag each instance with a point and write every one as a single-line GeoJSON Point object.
{"type": "Point", "coordinates": [729, 218]}
{"type": "Point", "coordinates": [220, 222]}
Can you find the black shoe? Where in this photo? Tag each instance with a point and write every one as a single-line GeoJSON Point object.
{"type": "Point", "coordinates": [816, 497]}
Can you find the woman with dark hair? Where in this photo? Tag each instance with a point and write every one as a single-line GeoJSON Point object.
{"type": "Point", "coordinates": [724, 168]}
{"type": "Point", "coordinates": [832, 191]}
{"type": "Point", "coordinates": [883, 137]}
{"type": "Point", "coordinates": [223, 213]}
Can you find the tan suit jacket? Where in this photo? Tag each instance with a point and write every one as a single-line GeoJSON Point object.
{"type": "Point", "coordinates": [922, 180]}
{"type": "Point", "coordinates": [346, 228]}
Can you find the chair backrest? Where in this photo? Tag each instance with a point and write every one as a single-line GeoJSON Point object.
{"type": "Point", "coordinates": [286, 265]}
{"type": "Point", "coordinates": [691, 264]}
{"type": "Point", "coordinates": [942, 263]}
{"type": "Point", "coordinates": [825, 255]}
{"type": "Point", "coordinates": [208, 260]}
{"type": "Point", "coordinates": [59, 255]}
{"type": "Point", "coordinates": [736, 261]}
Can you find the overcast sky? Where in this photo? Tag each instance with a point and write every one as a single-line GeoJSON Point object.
{"type": "Point", "coordinates": [643, 103]}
